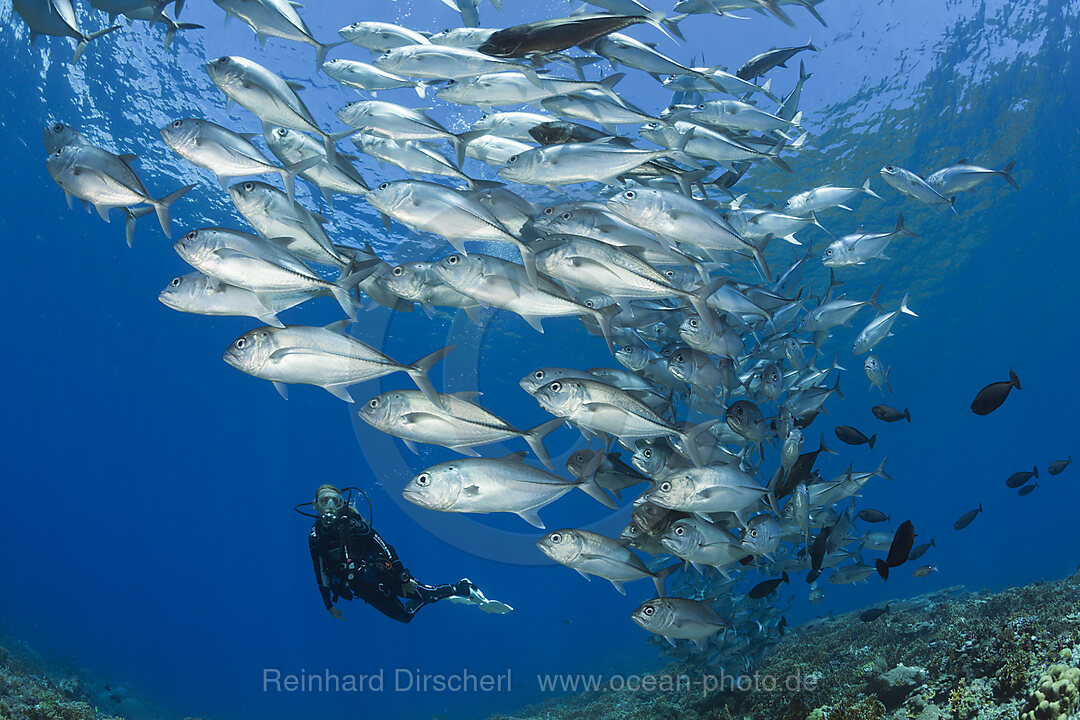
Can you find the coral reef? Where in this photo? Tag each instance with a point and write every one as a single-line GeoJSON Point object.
{"type": "Point", "coordinates": [34, 688]}
{"type": "Point", "coordinates": [947, 655]}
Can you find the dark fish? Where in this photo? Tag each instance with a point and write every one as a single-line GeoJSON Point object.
{"type": "Point", "coordinates": [923, 571]}
{"type": "Point", "coordinates": [966, 518]}
{"type": "Point", "coordinates": [1058, 466]}
{"type": "Point", "coordinates": [801, 470]}
{"type": "Point", "coordinates": [990, 397]}
{"type": "Point", "coordinates": [813, 575]}
{"type": "Point", "coordinates": [767, 587]}
{"type": "Point", "coordinates": [853, 436]}
{"type": "Point", "coordinates": [890, 414]}
{"type": "Point", "coordinates": [746, 560]}
{"type": "Point", "coordinates": [898, 551]}
{"type": "Point", "coordinates": [919, 551]}
{"type": "Point", "coordinates": [556, 35]}
{"type": "Point", "coordinates": [803, 421]}
{"type": "Point", "coordinates": [874, 613]}
{"type": "Point", "coordinates": [557, 132]}
{"type": "Point", "coordinates": [872, 516]}
{"type": "Point", "coordinates": [817, 550]}
{"type": "Point", "coordinates": [782, 625]}
{"type": "Point", "coordinates": [766, 61]}
{"type": "Point", "coordinates": [1017, 479]}
{"type": "Point", "coordinates": [1028, 489]}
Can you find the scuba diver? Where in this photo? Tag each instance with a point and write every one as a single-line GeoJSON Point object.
{"type": "Point", "coordinates": [352, 561]}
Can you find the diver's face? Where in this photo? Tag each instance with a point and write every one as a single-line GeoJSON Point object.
{"type": "Point", "coordinates": [329, 506]}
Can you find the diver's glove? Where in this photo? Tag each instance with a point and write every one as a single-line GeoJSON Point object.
{"type": "Point", "coordinates": [337, 614]}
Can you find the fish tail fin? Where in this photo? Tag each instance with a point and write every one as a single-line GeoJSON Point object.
{"type": "Point", "coordinates": [873, 301]}
{"type": "Point", "coordinates": [130, 216]}
{"type": "Point", "coordinates": [1005, 173]}
{"type": "Point", "coordinates": [873, 439]}
{"type": "Point", "coordinates": [672, 25]}
{"type": "Point", "coordinates": [868, 190]}
{"type": "Point", "coordinates": [85, 40]}
{"type": "Point", "coordinates": [590, 487]}
{"type": "Point", "coordinates": [1014, 380]}
{"type": "Point", "coordinates": [321, 49]}
{"type": "Point", "coordinates": [887, 371]}
{"type": "Point", "coordinates": [836, 387]}
{"type": "Point", "coordinates": [907, 414]}
{"type": "Point", "coordinates": [289, 172]}
{"type": "Point", "coordinates": [421, 89]}
{"type": "Point", "coordinates": [174, 26]}
{"type": "Point", "coordinates": [656, 19]}
{"type": "Point", "coordinates": [535, 438]}
{"type": "Point", "coordinates": [662, 575]}
{"type": "Point", "coordinates": [882, 568]}
{"type": "Point", "coordinates": [901, 230]}
{"type": "Point", "coordinates": [603, 319]}
{"type": "Point", "coordinates": [162, 208]}
{"type": "Point", "coordinates": [1035, 470]}
{"type": "Point", "coordinates": [823, 448]}
{"type": "Point", "coordinates": [880, 472]}
{"type": "Point", "coordinates": [331, 139]}
{"type": "Point", "coordinates": [905, 309]}
{"type": "Point", "coordinates": [352, 276]}
{"type": "Point", "coordinates": [418, 371]}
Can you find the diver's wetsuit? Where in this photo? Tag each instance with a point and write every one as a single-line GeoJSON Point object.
{"type": "Point", "coordinates": [351, 561]}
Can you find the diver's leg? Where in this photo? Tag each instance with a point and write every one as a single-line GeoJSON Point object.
{"type": "Point", "coordinates": [390, 605]}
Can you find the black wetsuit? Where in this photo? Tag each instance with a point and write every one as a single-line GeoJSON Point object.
{"type": "Point", "coordinates": [351, 561]}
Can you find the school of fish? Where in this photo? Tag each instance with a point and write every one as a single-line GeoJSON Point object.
{"type": "Point", "coordinates": [564, 199]}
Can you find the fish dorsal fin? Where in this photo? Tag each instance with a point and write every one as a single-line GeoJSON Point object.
{"type": "Point", "coordinates": [295, 86]}
{"type": "Point", "coordinates": [518, 457]}
{"type": "Point", "coordinates": [466, 395]}
{"type": "Point", "coordinates": [128, 158]}
{"type": "Point", "coordinates": [961, 161]}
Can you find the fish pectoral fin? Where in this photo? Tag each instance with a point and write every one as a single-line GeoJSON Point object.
{"type": "Point", "coordinates": [283, 389]}
{"type": "Point", "coordinates": [411, 445]}
{"type": "Point", "coordinates": [618, 586]}
{"type": "Point", "coordinates": [534, 321]}
{"type": "Point", "coordinates": [583, 574]}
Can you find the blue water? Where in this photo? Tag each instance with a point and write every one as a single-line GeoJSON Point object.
{"type": "Point", "coordinates": [148, 530]}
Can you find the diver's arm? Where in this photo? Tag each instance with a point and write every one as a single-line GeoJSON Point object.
{"type": "Point", "coordinates": [321, 576]}
{"type": "Point", "coordinates": [367, 541]}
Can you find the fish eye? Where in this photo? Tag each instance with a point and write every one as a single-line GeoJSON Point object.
{"type": "Point", "coordinates": [889, 168]}
{"type": "Point", "coordinates": [646, 454]}
{"type": "Point", "coordinates": [384, 186]}
{"type": "Point", "coordinates": [549, 210]}
{"type": "Point", "coordinates": [281, 132]}
{"type": "Point", "coordinates": [513, 159]}
{"type": "Point", "coordinates": [629, 194]}
{"type": "Point", "coordinates": [452, 260]}
{"type": "Point", "coordinates": [248, 186]}
{"type": "Point", "coordinates": [753, 533]}
{"type": "Point", "coordinates": [628, 349]}
{"type": "Point", "coordinates": [555, 386]}
{"type": "Point", "coordinates": [176, 282]}
{"type": "Point", "coordinates": [565, 216]}
{"type": "Point", "coordinates": [58, 127]}
{"type": "Point", "coordinates": [539, 374]}
{"type": "Point", "coordinates": [693, 323]}
{"type": "Point", "coordinates": [191, 235]}
{"type": "Point", "coordinates": [829, 251]}
{"type": "Point", "coordinates": [450, 82]}
{"type": "Point", "coordinates": [670, 273]}
{"type": "Point", "coordinates": [665, 486]}
{"type": "Point", "coordinates": [398, 271]}
{"type": "Point", "coordinates": [374, 403]}
{"type": "Point", "coordinates": [59, 152]}
{"type": "Point", "coordinates": [223, 61]}
{"type": "Point", "coordinates": [701, 106]}
{"type": "Point", "coordinates": [590, 304]}
{"type": "Point", "coordinates": [680, 531]}
{"type": "Point", "coordinates": [241, 344]}
{"type": "Point", "coordinates": [423, 480]}
{"type": "Point", "coordinates": [648, 611]}
{"type": "Point", "coordinates": [678, 358]}
{"type": "Point", "coordinates": [556, 538]}
{"type": "Point", "coordinates": [177, 123]}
